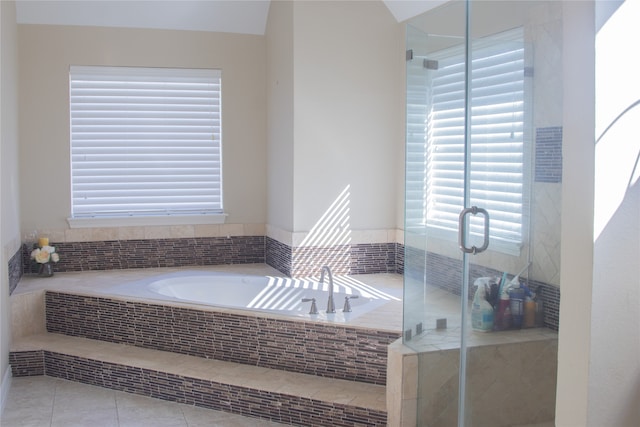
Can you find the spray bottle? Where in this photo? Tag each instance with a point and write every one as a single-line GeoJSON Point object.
{"type": "Point", "coordinates": [481, 310]}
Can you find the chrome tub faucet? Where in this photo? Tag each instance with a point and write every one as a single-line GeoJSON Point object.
{"type": "Point", "coordinates": [331, 308]}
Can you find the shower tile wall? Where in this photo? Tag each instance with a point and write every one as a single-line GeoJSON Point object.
{"type": "Point", "coordinates": [547, 201]}
{"type": "Point", "coordinates": [508, 384]}
{"type": "Point", "coordinates": [446, 273]}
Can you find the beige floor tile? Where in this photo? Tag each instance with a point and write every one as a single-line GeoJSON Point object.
{"type": "Point", "coordinates": [201, 417]}
{"type": "Point", "coordinates": [159, 411]}
{"type": "Point", "coordinates": [31, 404]}
{"type": "Point", "coordinates": [72, 396]}
{"type": "Point", "coordinates": [75, 417]}
{"type": "Point", "coordinates": [26, 417]}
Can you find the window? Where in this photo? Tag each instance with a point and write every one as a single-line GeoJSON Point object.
{"type": "Point", "coordinates": [435, 141]}
{"type": "Point", "coordinates": [145, 142]}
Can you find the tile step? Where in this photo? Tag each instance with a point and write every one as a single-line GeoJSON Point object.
{"type": "Point", "coordinates": [280, 396]}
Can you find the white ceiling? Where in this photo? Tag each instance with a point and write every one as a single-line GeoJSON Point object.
{"type": "Point", "coordinates": [234, 16]}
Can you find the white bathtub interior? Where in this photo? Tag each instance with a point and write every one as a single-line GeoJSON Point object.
{"type": "Point", "coordinates": [378, 306]}
{"type": "Point", "coordinates": [264, 293]}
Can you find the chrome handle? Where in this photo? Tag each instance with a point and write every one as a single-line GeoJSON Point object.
{"type": "Point", "coordinates": [462, 230]}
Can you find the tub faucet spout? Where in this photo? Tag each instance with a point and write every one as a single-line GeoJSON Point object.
{"type": "Point", "coordinates": [331, 308]}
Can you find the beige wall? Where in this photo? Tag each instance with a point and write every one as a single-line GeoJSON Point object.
{"type": "Point", "coordinates": [45, 54]}
{"type": "Point", "coordinates": [335, 118]}
{"type": "Point", "coordinates": [614, 369]}
{"type": "Point", "coordinates": [280, 113]}
{"type": "Point", "coordinates": [296, 132]}
{"type": "Point", "coordinates": [10, 212]}
{"type": "Point", "coordinates": [577, 219]}
{"type": "Point", "coordinates": [348, 98]}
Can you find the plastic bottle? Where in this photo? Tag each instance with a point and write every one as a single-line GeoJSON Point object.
{"type": "Point", "coordinates": [481, 311]}
{"type": "Point", "coordinates": [529, 313]}
{"type": "Point", "coordinates": [539, 322]}
{"type": "Point", "coordinates": [501, 321]}
{"type": "Point", "coordinates": [516, 299]}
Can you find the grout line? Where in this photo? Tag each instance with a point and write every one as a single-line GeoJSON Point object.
{"type": "Point", "coordinates": [115, 401]}
{"type": "Point", "coordinates": [53, 404]}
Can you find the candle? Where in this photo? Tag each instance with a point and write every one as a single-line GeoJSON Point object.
{"type": "Point", "coordinates": [43, 241]}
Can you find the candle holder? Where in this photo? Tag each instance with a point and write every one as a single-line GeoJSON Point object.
{"type": "Point", "coordinates": [46, 270]}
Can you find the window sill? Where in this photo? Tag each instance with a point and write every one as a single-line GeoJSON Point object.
{"type": "Point", "coordinates": [146, 221]}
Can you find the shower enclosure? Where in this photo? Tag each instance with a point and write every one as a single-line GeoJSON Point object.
{"type": "Point", "coordinates": [479, 160]}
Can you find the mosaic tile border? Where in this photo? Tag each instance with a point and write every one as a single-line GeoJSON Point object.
{"type": "Point", "coordinates": [332, 351]}
{"type": "Point", "coordinates": [278, 407]}
{"type": "Point", "coordinates": [123, 254]}
{"type": "Point", "coordinates": [363, 258]}
{"type": "Point", "coordinates": [278, 255]}
{"type": "Point", "coordinates": [548, 162]}
{"type": "Point", "coordinates": [294, 262]}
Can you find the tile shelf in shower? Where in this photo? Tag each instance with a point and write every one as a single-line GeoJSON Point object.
{"type": "Point", "coordinates": [448, 339]}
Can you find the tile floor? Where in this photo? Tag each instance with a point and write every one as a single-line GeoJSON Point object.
{"type": "Point", "coordinates": [46, 401]}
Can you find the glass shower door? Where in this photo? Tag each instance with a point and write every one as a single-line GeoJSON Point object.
{"type": "Point", "coordinates": [467, 210]}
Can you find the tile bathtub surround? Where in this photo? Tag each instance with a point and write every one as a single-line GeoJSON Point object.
{"type": "Point", "coordinates": [331, 351]}
{"type": "Point", "coordinates": [124, 254]}
{"type": "Point", "coordinates": [280, 407]}
{"type": "Point", "coordinates": [366, 258]}
{"type": "Point", "coordinates": [278, 255]}
{"type": "Point", "coordinates": [363, 258]}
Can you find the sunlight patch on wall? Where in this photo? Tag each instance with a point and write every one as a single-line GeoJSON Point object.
{"type": "Point", "coordinates": [328, 242]}
{"type": "Point", "coordinates": [617, 114]}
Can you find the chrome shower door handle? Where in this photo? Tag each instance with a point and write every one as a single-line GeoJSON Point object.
{"type": "Point", "coordinates": [462, 230]}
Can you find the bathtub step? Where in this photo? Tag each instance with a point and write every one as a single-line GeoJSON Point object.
{"type": "Point", "coordinates": [280, 396]}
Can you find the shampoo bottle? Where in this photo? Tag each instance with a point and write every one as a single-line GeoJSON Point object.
{"type": "Point", "coordinates": [502, 321]}
{"type": "Point", "coordinates": [529, 313]}
{"type": "Point", "coordinates": [539, 309]}
{"type": "Point", "coordinates": [516, 297]}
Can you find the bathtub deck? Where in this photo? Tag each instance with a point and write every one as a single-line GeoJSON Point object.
{"type": "Point", "coordinates": [387, 317]}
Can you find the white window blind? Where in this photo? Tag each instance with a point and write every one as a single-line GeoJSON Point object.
{"type": "Point", "coordinates": [145, 142]}
{"type": "Point", "coordinates": [497, 169]}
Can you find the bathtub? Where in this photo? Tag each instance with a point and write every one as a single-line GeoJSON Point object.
{"type": "Point", "coordinates": [268, 294]}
